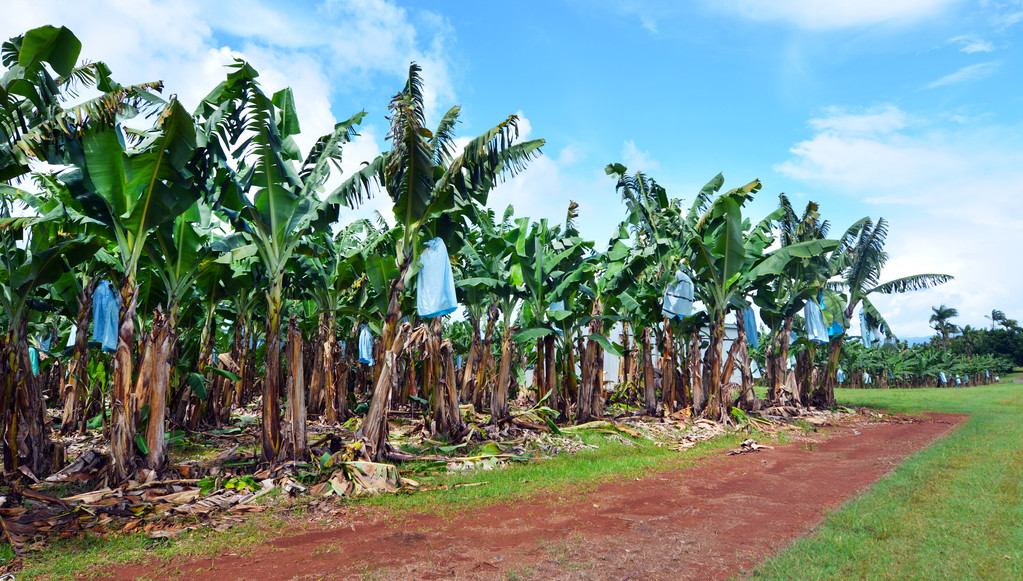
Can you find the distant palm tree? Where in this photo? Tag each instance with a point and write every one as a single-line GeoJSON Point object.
{"type": "Point", "coordinates": [940, 322]}
{"type": "Point", "coordinates": [997, 317]}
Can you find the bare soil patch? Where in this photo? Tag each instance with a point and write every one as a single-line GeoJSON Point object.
{"type": "Point", "coordinates": [714, 520]}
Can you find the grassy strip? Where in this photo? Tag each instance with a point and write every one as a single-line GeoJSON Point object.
{"type": "Point", "coordinates": [952, 511]}
{"type": "Point", "coordinates": [565, 474]}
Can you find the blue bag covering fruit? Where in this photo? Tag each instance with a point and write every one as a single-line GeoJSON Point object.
{"type": "Point", "coordinates": [678, 297]}
{"type": "Point", "coordinates": [365, 346]}
{"type": "Point", "coordinates": [749, 324]}
{"type": "Point", "coordinates": [106, 306]}
{"type": "Point", "coordinates": [435, 286]}
{"type": "Point", "coordinates": [816, 331]}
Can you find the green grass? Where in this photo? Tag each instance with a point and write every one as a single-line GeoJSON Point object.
{"type": "Point", "coordinates": [90, 555]}
{"type": "Point", "coordinates": [951, 511]}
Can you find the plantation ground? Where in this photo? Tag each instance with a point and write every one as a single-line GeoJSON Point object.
{"type": "Point", "coordinates": [712, 520]}
{"type": "Point", "coordinates": [950, 511]}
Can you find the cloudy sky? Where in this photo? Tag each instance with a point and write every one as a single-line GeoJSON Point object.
{"type": "Point", "coordinates": [907, 109]}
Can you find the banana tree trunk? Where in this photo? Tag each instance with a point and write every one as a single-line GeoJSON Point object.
{"type": "Point", "coordinates": [597, 407]}
{"type": "Point", "coordinates": [77, 386]}
{"type": "Point", "coordinates": [317, 380]}
{"type": "Point", "coordinates": [123, 406]}
{"type": "Point", "coordinates": [270, 440]}
{"type": "Point", "coordinates": [589, 385]}
{"type": "Point", "coordinates": [296, 420]}
{"type": "Point", "coordinates": [240, 355]}
{"type": "Point", "coordinates": [712, 370]}
{"type": "Point", "coordinates": [152, 386]}
{"type": "Point", "coordinates": [468, 374]}
{"type": "Point", "coordinates": [747, 400]}
{"type": "Point", "coordinates": [26, 442]}
{"type": "Point", "coordinates": [447, 387]}
{"type": "Point", "coordinates": [548, 363]}
{"type": "Point", "coordinates": [499, 397]}
{"type": "Point", "coordinates": [34, 444]}
{"type": "Point", "coordinates": [782, 365]}
{"type": "Point", "coordinates": [568, 373]}
{"type": "Point", "coordinates": [373, 430]}
{"type": "Point", "coordinates": [329, 368]}
{"type": "Point", "coordinates": [695, 374]}
{"type": "Point", "coordinates": [627, 367]}
{"type": "Point", "coordinates": [486, 366]}
{"type": "Point", "coordinates": [342, 370]}
{"type": "Point", "coordinates": [539, 377]}
{"type": "Point", "coordinates": [669, 388]}
{"type": "Point", "coordinates": [9, 400]}
{"type": "Point", "coordinates": [584, 403]}
{"type": "Point", "coordinates": [835, 351]}
{"type": "Point", "coordinates": [649, 385]}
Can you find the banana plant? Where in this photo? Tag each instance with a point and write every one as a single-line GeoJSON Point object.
{"type": "Point", "coordinates": [430, 183]}
{"type": "Point", "coordinates": [857, 265]}
{"type": "Point", "coordinates": [656, 224]}
{"type": "Point", "coordinates": [802, 279]}
{"type": "Point", "coordinates": [487, 282]}
{"type": "Point", "coordinates": [40, 108]}
{"type": "Point", "coordinates": [31, 255]}
{"type": "Point", "coordinates": [129, 191]}
{"type": "Point", "coordinates": [273, 204]}
{"type": "Point", "coordinates": [728, 258]}
{"type": "Point", "coordinates": [326, 277]}
{"type": "Point", "coordinates": [551, 267]}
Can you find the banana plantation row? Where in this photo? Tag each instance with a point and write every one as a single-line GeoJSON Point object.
{"type": "Point", "coordinates": [162, 267]}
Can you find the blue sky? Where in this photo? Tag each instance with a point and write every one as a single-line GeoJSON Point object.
{"type": "Point", "coordinates": [907, 109]}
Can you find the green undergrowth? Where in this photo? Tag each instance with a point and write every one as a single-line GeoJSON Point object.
{"type": "Point", "coordinates": [951, 511]}
{"type": "Point", "coordinates": [545, 478]}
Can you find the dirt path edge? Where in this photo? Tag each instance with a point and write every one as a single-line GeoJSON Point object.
{"type": "Point", "coordinates": [713, 520]}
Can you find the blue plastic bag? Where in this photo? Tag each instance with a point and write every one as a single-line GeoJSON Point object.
{"type": "Point", "coordinates": [106, 306]}
{"type": "Point", "coordinates": [44, 343]}
{"type": "Point", "coordinates": [835, 329]}
{"type": "Point", "coordinates": [33, 357]}
{"type": "Point", "coordinates": [866, 378]}
{"type": "Point", "coordinates": [365, 346]}
{"type": "Point", "coordinates": [557, 306]}
{"type": "Point", "coordinates": [749, 324]}
{"type": "Point", "coordinates": [435, 285]}
{"type": "Point", "coordinates": [72, 337]}
{"type": "Point", "coordinates": [678, 297]}
{"type": "Point", "coordinates": [840, 376]}
{"type": "Point", "coordinates": [943, 379]}
{"type": "Point", "coordinates": [864, 330]}
{"type": "Point", "coordinates": [816, 331]}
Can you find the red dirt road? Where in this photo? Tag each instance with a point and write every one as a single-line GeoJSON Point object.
{"type": "Point", "coordinates": [714, 520]}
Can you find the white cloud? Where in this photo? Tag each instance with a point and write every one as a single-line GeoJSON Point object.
{"type": "Point", "coordinates": [967, 73]}
{"type": "Point", "coordinates": [636, 159]}
{"type": "Point", "coordinates": [319, 52]}
{"type": "Point", "coordinates": [882, 119]}
{"type": "Point", "coordinates": [951, 197]}
{"type": "Point", "coordinates": [970, 44]}
{"type": "Point", "coordinates": [834, 14]}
